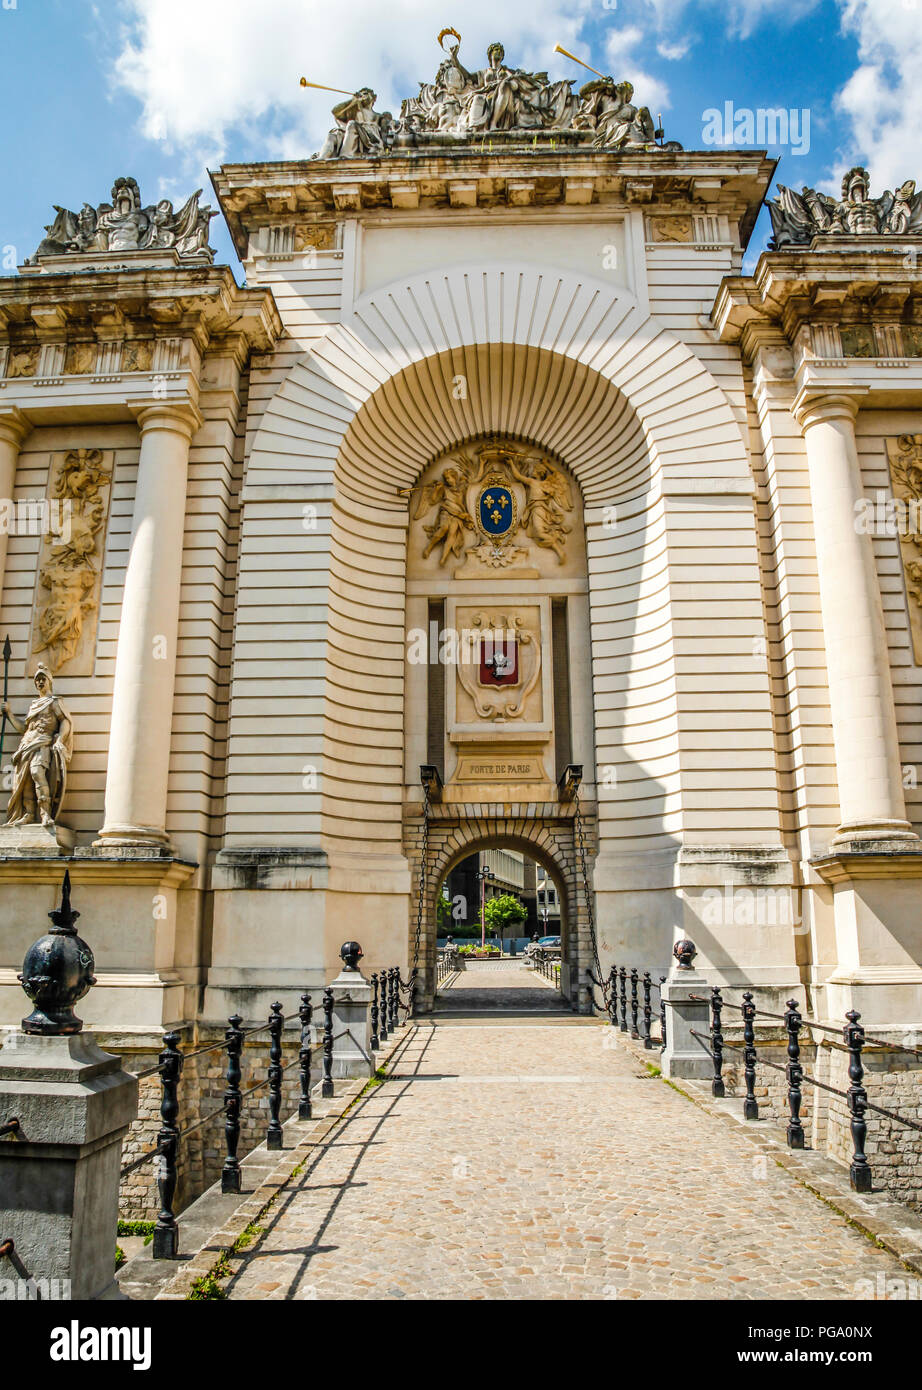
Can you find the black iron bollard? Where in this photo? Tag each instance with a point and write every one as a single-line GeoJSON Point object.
{"type": "Point", "coordinates": [230, 1173]}
{"type": "Point", "coordinates": [647, 1010]}
{"type": "Point", "coordinates": [392, 1019]}
{"type": "Point", "coordinates": [634, 1032]}
{"type": "Point", "coordinates": [717, 1043]}
{"type": "Point", "coordinates": [860, 1171]}
{"type": "Point", "coordinates": [375, 1040]}
{"type": "Point", "coordinates": [414, 973]}
{"type": "Point", "coordinates": [274, 1132]}
{"type": "Point", "coordinates": [795, 1074]}
{"type": "Point", "coordinates": [662, 1015]}
{"type": "Point", "coordinates": [750, 1104]}
{"type": "Point", "coordinates": [166, 1232]}
{"type": "Point", "coordinates": [613, 996]}
{"type": "Point", "coordinates": [306, 1014]}
{"type": "Point", "coordinates": [326, 1089]}
{"type": "Point", "coordinates": [382, 1012]}
{"type": "Point", "coordinates": [623, 976]}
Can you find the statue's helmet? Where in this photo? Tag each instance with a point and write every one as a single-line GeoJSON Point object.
{"type": "Point", "coordinates": [857, 178]}
{"type": "Point", "coordinates": [41, 671]}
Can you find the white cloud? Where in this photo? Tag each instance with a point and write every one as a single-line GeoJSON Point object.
{"type": "Point", "coordinates": [206, 70]}
{"type": "Point", "coordinates": [883, 97]}
{"type": "Point", "coordinates": [648, 90]}
{"type": "Point", "coordinates": [673, 52]}
{"type": "Point", "coordinates": [743, 16]}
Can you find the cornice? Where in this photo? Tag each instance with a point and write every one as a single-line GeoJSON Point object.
{"type": "Point", "coordinates": [260, 194]}
{"type": "Point", "coordinates": [204, 303]}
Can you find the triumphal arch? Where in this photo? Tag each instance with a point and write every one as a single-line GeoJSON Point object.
{"type": "Point", "coordinates": [497, 506]}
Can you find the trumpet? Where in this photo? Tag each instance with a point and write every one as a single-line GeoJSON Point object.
{"type": "Point", "coordinates": [320, 87]}
{"type": "Point", "coordinates": [559, 49]}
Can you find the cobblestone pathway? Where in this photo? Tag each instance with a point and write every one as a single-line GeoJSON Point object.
{"type": "Point", "coordinates": [536, 1162]}
{"type": "Point", "coordinates": [499, 985]}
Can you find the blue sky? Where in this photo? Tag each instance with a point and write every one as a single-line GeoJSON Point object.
{"type": "Point", "coordinates": [164, 89]}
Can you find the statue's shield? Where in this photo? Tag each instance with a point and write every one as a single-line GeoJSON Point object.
{"type": "Point", "coordinates": [496, 510]}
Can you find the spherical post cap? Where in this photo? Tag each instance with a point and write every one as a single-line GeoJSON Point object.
{"type": "Point", "coordinates": [685, 952]}
{"type": "Point", "coordinates": [351, 953]}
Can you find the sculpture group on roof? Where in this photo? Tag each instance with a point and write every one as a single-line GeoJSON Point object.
{"type": "Point", "coordinates": [124, 225]}
{"type": "Point", "coordinates": [462, 106]}
{"type": "Point", "coordinates": [799, 217]}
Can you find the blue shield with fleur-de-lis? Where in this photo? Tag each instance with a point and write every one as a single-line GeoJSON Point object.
{"type": "Point", "coordinates": [497, 510]}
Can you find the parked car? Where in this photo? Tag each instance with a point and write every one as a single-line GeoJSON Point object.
{"type": "Point", "coordinates": [547, 947]}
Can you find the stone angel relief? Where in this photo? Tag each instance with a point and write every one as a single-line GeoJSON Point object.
{"type": "Point", "coordinates": [463, 498]}
{"type": "Point", "coordinates": [548, 498]}
{"type": "Point", "coordinates": [453, 518]}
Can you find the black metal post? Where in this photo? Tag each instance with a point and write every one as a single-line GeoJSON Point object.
{"type": "Point", "coordinates": [375, 1040]}
{"type": "Point", "coordinates": [326, 1089]}
{"type": "Point", "coordinates": [392, 1019]}
{"type": "Point", "coordinates": [382, 1012]}
{"type": "Point", "coordinates": [860, 1170]}
{"type": "Point", "coordinates": [717, 1043]}
{"type": "Point", "coordinates": [613, 996]}
{"type": "Point", "coordinates": [166, 1232]}
{"type": "Point", "coordinates": [623, 976]}
{"type": "Point", "coordinates": [634, 1032]}
{"type": "Point", "coordinates": [647, 1010]}
{"type": "Point", "coordinates": [306, 1014]}
{"type": "Point", "coordinates": [274, 1132]}
{"type": "Point", "coordinates": [230, 1173]}
{"type": "Point", "coordinates": [662, 1014]}
{"type": "Point", "coordinates": [750, 1104]}
{"type": "Point", "coordinates": [414, 973]}
{"type": "Point", "coordinates": [793, 1022]}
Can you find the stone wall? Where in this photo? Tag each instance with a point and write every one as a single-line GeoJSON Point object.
{"type": "Point", "coordinates": [201, 1092]}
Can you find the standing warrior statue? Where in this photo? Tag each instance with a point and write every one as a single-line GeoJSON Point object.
{"type": "Point", "coordinates": [40, 761]}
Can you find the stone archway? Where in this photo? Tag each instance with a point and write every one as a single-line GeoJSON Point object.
{"type": "Point", "coordinates": [544, 831]}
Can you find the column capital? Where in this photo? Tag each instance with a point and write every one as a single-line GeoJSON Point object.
{"type": "Point", "coordinates": [815, 405]}
{"type": "Point", "coordinates": [180, 416]}
{"type": "Point", "coordinates": [14, 425]}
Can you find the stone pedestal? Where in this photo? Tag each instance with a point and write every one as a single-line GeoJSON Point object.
{"type": "Point", "coordinates": [59, 1179]}
{"type": "Point", "coordinates": [685, 1056]}
{"type": "Point", "coordinates": [352, 1055]}
{"type": "Point", "coordinates": [31, 840]}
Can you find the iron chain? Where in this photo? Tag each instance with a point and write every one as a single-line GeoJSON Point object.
{"type": "Point", "coordinates": [581, 847]}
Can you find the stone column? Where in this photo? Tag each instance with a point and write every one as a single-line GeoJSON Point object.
{"type": "Point", "coordinates": [871, 801]}
{"type": "Point", "coordinates": [145, 666]}
{"type": "Point", "coordinates": [13, 429]}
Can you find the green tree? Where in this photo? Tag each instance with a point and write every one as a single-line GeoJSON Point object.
{"type": "Point", "coordinates": [504, 912]}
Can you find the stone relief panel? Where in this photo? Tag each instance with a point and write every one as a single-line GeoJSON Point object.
{"type": "Point", "coordinates": [494, 511]}
{"type": "Point", "coordinates": [66, 610]}
{"type": "Point", "coordinates": [905, 455]}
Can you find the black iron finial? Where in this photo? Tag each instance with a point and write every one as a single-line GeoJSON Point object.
{"type": "Point", "coordinates": [64, 916]}
{"type": "Point", "coordinates": [57, 972]}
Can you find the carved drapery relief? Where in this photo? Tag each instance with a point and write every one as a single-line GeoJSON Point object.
{"type": "Point", "coordinates": [70, 563]}
{"type": "Point", "coordinates": [492, 504]}
{"type": "Point", "coordinates": [905, 454]}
